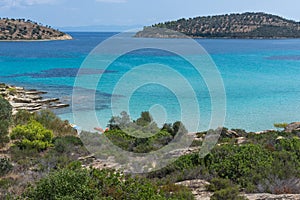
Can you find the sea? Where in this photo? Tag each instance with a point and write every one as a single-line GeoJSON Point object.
{"type": "Point", "coordinates": [260, 78]}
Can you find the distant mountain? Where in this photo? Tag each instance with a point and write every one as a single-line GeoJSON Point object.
{"type": "Point", "coordinates": [246, 25]}
{"type": "Point", "coordinates": [100, 28]}
{"type": "Point", "coordinates": [21, 29]}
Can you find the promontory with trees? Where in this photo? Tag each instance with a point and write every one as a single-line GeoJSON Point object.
{"type": "Point", "coordinates": [246, 25]}
{"type": "Point", "coordinates": [22, 29]}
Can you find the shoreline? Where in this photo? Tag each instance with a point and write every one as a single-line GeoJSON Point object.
{"type": "Point", "coordinates": [62, 38]}
{"type": "Point", "coordinates": [31, 100]}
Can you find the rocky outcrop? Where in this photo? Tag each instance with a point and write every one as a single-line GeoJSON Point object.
{"type": "Point", "coordinates": [30, 100]}
{"type": "Point", "coordinates": [295, 126]}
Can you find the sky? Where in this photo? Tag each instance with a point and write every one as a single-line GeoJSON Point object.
{"type": "Point", "coordinates": [114, 14]}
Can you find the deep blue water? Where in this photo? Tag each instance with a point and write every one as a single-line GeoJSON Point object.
{"type": "Point", "coordinates": [260, 76]}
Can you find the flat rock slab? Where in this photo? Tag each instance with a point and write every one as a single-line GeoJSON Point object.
{"type": "Point", "coordinates": [30, 100]}
{"type": "Point", "coordinates": [266, 196]}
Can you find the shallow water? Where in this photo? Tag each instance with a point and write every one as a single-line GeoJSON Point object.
{"type": "Point", "coordinates": [260, 77]}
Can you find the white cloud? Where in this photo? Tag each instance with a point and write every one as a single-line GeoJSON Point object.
{"type": "Point", "coordinates": [112, 1]}
{"type": "Point", "coordinates": [23, 3]}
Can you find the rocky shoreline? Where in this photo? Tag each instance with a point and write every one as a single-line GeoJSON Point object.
{"type": "Point", "coordinates": [30, 100]}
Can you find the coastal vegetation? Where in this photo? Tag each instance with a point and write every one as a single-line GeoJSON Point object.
{"type": "Point", "coordinates": [46, 159]}
{"type": "Point", "coordinates": [21, 29]}
{"type": "Point", "coordinates": [5, 119]}
{"type": "Point", "coordinates": [245, 25]}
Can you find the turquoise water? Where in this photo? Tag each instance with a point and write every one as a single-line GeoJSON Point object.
{"type": "Point", "coordinates": [260, 77]}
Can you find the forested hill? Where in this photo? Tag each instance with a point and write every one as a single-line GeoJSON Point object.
{"type": "Point", "coordinates": [21, 29]}
{"type": "Point", "coordinates": [246, 25]}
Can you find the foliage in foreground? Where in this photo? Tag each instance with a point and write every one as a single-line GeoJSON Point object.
{"type": "Point", "coordinates": [267, 162]}
{"type": "Point", "coordinates": [5, 120]}
{"type": "Point", "coordinates": [78, 183]}
{"type": "Point", "coordinates": [264, 164]}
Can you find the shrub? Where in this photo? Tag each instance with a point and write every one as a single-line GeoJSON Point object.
{"type": "Point", "coordinates": [231, 193]}
{"type": "Point", "coordinates": [179, 191]}
{"type": "Point", "coordinates": [224, 189]}
{"type": "Point", "coordinates": [23, 117]}
{"type": "Point", "coordinates": [291, 145]}
{"type": "Point", "coordinates": [77, 183]}
{"type": "Point", "coordinates": [67, 143]}
{"type": "Point", "coordinates": [280, 125]}
{"type": "Point", "coordinates": [50, 121]}
{"type": "Point", "coordinates": [64, 184]}
{"type": "Point", "coordinates": [32, 136]}
{"type": "Point", "coordinates": [5, 166]}
{"type": "Point", "coordinates": [219, 184]}
{"type": "Point", "coordinates": [12, 91]}
{"type": "Point", "coordinates": [245, 165]}
{"type": "Point", "coordinates": [5, 120]}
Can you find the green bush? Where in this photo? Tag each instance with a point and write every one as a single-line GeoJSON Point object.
{"type": "Point", "coordinates": [66, 143]}
{"type": "Point", "coordinates": [179, 191]}
{"type": "Point", "coordinates": [280, 125]}
{"type": "Point", "coordinates": [219, 184]}
{"type": "Point", "coordinates": [181, 168]}
{"type": "Point", "coordinates": [138, 144]}
{"type": "Point", "coordinates": [64, 184]}
{"type": "Point", "coordinates": [32, 136]}
{"type": "Point", "coordinates": [5, 166]}
{"type": "Point", "coordinates": [23, 117]}
{"type": "Point", "coordinates": [245, 165]}
{"type": "Point", "coordinates": [290, 144]}
{"type": "Point", "coordinates": [231, 193]}
{"type": "Point", "coordinates": [224, 189]}
{"type": "Point", "coordinates": [77, 183]}
{"type": "Point", "coordinates": [5, 120]}
{"type": "Point", "coordinates": [50, 121]}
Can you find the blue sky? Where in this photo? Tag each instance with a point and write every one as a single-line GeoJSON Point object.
{"type": "Point", "coordinates": [66, 13]}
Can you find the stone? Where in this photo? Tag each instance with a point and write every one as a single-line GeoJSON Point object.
{"type": "Point", "coordinates": [34, 92]}
{"type": "Point", "coordinates": [279, 138]}
{"type": "Point", "coordinates": [61, 105]}
{"type": "Point", "coordinates": [34, 97]}
{"type": "Point", "coordinates": [22, 100]}
{"type": "Point", "coordinates": [47, 100]}
{"type": "Point", "coordinates": [295, 126]}
{"type": "Point", "coordinates": [241, 140]}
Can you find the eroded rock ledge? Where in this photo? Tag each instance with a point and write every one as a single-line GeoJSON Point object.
{"type": "Point", "coordinates": [30, 100]}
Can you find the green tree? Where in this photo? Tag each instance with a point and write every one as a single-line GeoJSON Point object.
{"type": "Point", "coordinates": [145, 119]}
